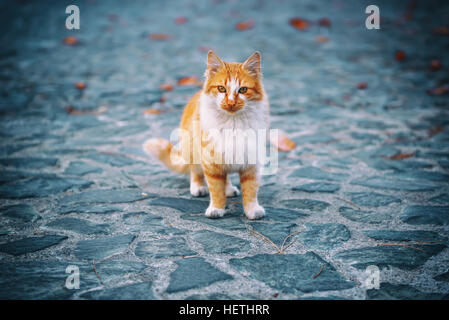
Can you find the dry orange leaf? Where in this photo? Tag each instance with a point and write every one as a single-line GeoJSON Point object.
{"type": "Point", "coordinates": [362, 85]}
{"type": "Point", "coordinates": [299, 23]}
{"type": "Point", "coordinates": [322, 39]}
{"type": "Point", "coordinates": [284, 144]}
{"type": "Point", "coordinates": [70, 40]}
{"type": "Point", "coordinates": [166, 87]}
{"type": "Point", "coordinates": [438, 91]}
{"type": "Point", "coordinates": [189, 81]}
{"type": "Point", "coordinates": [401, 156]}
{"type": "Point", "coordinates": [160, 36]}
{"type": "Point", "coordinates": [444, 31]}
{"type": "Point", "coordinates": [435, 130]}
{"type": "Point", "coordinates": [152, 111]}
{"type": "Point", "coordinates": [245, 25]}
{"type": "Point", "coordinates": [80, 85]}
{"type": "Point", "coordinates": [180, 20]}
{"type": "Point", "coordinates": [400, 55]}
{"type": "Point", "coordinates": [436, 65]}
{"type": "Point", "coordinates": [325, 22]}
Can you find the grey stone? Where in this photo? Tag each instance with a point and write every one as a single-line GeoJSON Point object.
{"type": "Point", "coordinates": [282, 214]}
{"type": "Point", "coordinates": [115, 270]}
{"type": "Point", "coordinates": [32, 244]}
{"type": "Point", "coordinates": [79, 226]}
{"type": "Point", "coordinates": [112, 159]}
{"type": "Point", "coordinates": [29, 162]}
{"type": "Point", "coordinates": [389, 183]}
{"type": "Point", "coordinates": [363, 216]}
{"type": "Point", "coordinates": [194, 273]}
{"type": "Point", "coordinates": [442, 277]}
{"type": "Point", "coordinates": [406, 235]}
{"type": "Point", "coordinates": [135, 291]}
{"type": "Point", "coordinates": [276, 232]}
{"type": "Point", "coordinates": [147, 222]}
{"type": "Point", "coordinates": [214, 242]}
{"type": "Point", "coordinates": [88, 208]}
{"type": "Point", "coordinates": [163, 248]}
{"type": "Point", "coordinates": [317, 187]}
{"type": "Point", "coordinates": [372, 199]}
{"type": "Point", "coordinates": [230, 221]}
{"type": "Point", "coordinates": [388, 291]}
{"type": "Point", "coordinates": [422, 175]}
{"type": "Point", "coordinates": [38, 280]}
{"type": "Point", "coordinates": [41, 186]}
{"type": "Point", "coordinates": [442, 199]}
{"type": "Point", "coordinates": [307, 204]}
{"type": "Point", "coordinates": [324, 236]}
{"type": "Point", "coordinates": [79, 168]}
{"type": "Point", "coordinates": [106, 196]}
{"type": "Point", "coordinates": [20, 212]}
{"type": "Point", "coordinates": [383, 256]}
{"type": "Point", "coordinates": [101, 248]}
{"type": "Point", "coordinates": [293, 273]}
{"type": "Point", "coordinates": [318, 174]}
{"type": "Point", "coordinates": [426, 215]}
{"type": "Point", "coordinates": [183, 205]}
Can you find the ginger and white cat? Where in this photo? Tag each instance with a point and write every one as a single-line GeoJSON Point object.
{"type": "Point", "coordinates": [232, 99]}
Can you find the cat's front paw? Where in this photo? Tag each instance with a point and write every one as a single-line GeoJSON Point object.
{"type": "Point", "coordinates": [232, 191]}
{"type": "Point", "coordinates": [198, 191]}
{"type": "Point", "coordinates": [214, 213]}
{"type": "Point", "coordinates": [255, 212]}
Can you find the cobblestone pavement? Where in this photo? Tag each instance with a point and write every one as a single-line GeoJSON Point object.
{"type": "Point", "coordinates": [366, 185]}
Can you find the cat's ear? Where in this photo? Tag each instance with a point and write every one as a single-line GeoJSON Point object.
{"type": "Point", "coordinates": [214, 63]}
{"type": "Point", "coordinates": [252, 64]}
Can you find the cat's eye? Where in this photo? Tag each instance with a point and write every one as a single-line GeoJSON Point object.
{"type": "Point", "coordinates": [243, 90]}
{"type": "Point", "coordinates": [221, 89]}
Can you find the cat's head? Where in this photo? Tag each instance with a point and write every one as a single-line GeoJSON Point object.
{"type": "Point", "coordinates": [233, 85]}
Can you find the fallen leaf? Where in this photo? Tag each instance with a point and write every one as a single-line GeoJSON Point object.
{"type": "Point", "coordinates": [435, 130]}
{"type": "Point", "coordinates": [400, 55]}
{"type": "Point", "coordinates": [70, 40]}
{"type": "Point", "coordinates": [159, 36]}
{"type": "Point", "coordinates": [189, 81]}
{"type": "Point", "coordinates": [322, 39]}
{"type": "Point", "coordinates": [180, 20]}
{"type": "Point", "coordinates": [80, 85]}
{"type": "Point", "coordinates": [166, 87]}
{"type": "Point", "coordinates": [325, 22]}
{"type": "Point", "coordinates": [438, 91]}
{"type": "Point", "coordinates": [299, 23]}
{"type": "Point", "coordinates": [443, 30]}
{"type": "Point", "coordinates": [436, 65]}
{"type": "Point", "coordinates": [245, 25]}
{"type": "Point", "coordinates": [401, 156]}
{"type": "Point", "coordinates": [283, 143]}
{"type": "Point", "coordinates": [362, 85]}
{"type": "Point", "coordinates": [152, 111]}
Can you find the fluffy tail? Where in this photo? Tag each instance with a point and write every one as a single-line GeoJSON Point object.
{"type": "Point", "coordinates": [169, 156]}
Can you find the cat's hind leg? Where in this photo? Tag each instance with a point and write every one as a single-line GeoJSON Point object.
{"type": "Point", "coordinates": [231, 190]}
{"type": "Point", "coordinates": [197, 186]}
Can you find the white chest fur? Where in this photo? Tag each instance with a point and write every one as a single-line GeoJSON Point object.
{"type": "Point", "coordinates": [237, 136]}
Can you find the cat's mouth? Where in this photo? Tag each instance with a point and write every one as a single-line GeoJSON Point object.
{"type": "Point", "coordinates": [232, 108]}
